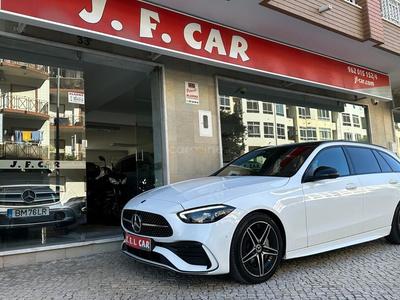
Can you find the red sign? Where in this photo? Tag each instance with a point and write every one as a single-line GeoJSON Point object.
{"type": "Point", "coordinates": [138, 242]}
{"type": "Point", "coordinates": [149, 26]}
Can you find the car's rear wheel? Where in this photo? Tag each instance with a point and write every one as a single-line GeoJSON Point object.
{"type": "Point", "coordinates": [394, 236]}
{"type": "Point", "coordinates": [256, 249]}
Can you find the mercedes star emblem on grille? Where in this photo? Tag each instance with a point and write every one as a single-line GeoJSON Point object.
{"type": "Point", "coordinates": [136, 223]}
{"type": "Point", "coordinates": [28, 196]}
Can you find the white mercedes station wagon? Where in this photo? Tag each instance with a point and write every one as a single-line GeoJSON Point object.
{"type": "Point", "coordinates": [273, 203]}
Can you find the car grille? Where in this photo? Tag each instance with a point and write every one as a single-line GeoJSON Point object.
{"type": "Point", "coordinates": [152, 224]}
{"type": "Point", "coordinates": [13, 196]}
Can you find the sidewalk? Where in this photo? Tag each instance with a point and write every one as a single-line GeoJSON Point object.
{"type": "Point", "coordinates": [367, 271]}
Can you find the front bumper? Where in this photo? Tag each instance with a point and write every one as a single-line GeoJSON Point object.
{"type": "Point", "coordinates": [60, 216]}
{"type": "Point", "coordinates": [183, 257]}
{"type": "Point", "coordinates": [192, 248]}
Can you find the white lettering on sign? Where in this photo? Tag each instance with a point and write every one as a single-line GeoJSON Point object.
{"type": "Point", "coordinates": [239, 46]}
{"type": "Point", "coordinates": [215, 40]}
{"type": "Point", "coordinates": [188, 34]}
{"type": "Point", "coordinates": [40, 164]}
{"type": "Point", "coordinates": [146, 26]}
{"type": "Point", "coordinates": [96, 14]}
{"type": "Point", "coordinates": [363, 81]}
{"type": "Point", "coordinates": [369, 77]}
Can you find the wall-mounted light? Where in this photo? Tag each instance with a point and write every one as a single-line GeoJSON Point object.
{"type": "Point", "coordinates": [325, 8]}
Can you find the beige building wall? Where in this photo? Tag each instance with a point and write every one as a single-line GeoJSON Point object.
{"type": "Point", "coordinates": [190, 155]}
{"type": "Point", "coordinates": [381, 122]}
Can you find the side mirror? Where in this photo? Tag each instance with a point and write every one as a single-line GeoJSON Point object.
{"type": "Point", "coordinates": [322, 173]}
{"type": "Point", "coordinates": [102, 158]}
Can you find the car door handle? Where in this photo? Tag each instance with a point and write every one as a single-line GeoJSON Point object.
{"type": "Point", "coordinates": [393, 181]}
{"type": "Point", "coordinates": [351, 186]}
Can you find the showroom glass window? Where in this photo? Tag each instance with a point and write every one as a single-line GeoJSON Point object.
{"type": "Point", "coordinates": [243, 131]}
{"type": "Point", "coordinates": [42, 154]}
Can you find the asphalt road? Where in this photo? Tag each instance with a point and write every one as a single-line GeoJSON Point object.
{"type": "Point", "coordinates": [366, 271]}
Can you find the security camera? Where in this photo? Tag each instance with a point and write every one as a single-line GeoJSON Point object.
{"type": "Point", "coordinates": [242, 90]}
{"type": "Point", "coordinates": [374, 102]}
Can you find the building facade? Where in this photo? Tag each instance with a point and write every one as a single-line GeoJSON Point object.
{"type": "Point", "coordinates": [164, 91]}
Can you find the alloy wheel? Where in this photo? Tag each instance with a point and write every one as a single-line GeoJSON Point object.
{"type": "Point", "coordinates": [259, 248]}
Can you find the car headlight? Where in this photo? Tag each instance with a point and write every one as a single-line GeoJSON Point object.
{"type": "Point", "coordinates": [206, 214]}
{"type": "Point", "coordinates": [113, 181]}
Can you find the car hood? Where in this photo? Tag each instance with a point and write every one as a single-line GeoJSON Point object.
{"type": "Point", "coordinates": [213, 189]}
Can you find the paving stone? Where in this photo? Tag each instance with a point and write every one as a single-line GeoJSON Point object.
{"type": "Point", "coordinates": [367, 271]}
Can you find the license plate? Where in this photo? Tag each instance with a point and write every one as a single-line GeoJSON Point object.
{"type": "Point", "coordinates": [28, 212]}
{"type": "Point", "coordinates": [138, 242]}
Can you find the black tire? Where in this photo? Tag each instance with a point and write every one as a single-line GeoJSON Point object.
{"type": "Point", "coordinates": [256, 249]}
{"type": "Point", "coordinates": [394, 236]}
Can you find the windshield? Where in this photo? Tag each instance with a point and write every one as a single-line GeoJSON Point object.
{"type": "Point", "coordinates": [283, 161]}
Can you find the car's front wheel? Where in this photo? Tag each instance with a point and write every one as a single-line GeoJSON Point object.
{"type": "Point", "coordinates": [394, 236]}
{"type": "Point", "coordinates": [256, 249]}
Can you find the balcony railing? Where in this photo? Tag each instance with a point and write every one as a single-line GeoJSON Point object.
{"type": "Point", "coordinates": [24, 104]}
{"type": "Point", "coordinates": [391, 10]}
{"type": "Point", "coordinates": [66, 120]}
{"type": "Point", "coordinates": [20, 64]}
{"type": "Point", "coordinates": [67, 83]}
{"type": "Point", "coordinates": [23, 150]}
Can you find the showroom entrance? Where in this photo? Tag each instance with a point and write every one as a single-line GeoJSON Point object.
{"type": "Point", "coordinates": [81, 134]}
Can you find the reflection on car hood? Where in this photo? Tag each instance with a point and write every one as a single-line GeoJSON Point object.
{"type": "Point", "coordinates": [213, 190]}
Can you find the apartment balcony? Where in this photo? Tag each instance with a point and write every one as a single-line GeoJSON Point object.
{"type": "Point", "coordinates": [24, 105]}
{"type": "Point", "coordinates": [67, 83]}
{"type": "Point", "coordinates": [23, 74]}
{"type": "Point", "coordinates": [15, 150]}
{"type": "Point", "coordinates": [25, 66]}
{"type": "Point", "coordinates": [68, 122]}
{"type": "Point", "coordinates": [391, 11]}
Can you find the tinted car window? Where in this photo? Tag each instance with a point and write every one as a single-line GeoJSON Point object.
{"type": "Point", "coordinates": [384, 165]}
{"type": "Point", "coordinates": [363, 160]}
{"type": "Point", "coordinates": [330, 157]}
{"type": "Point", "coordinates": [281, 161]}
{"type": "Point", "coordinates": [394, 164]}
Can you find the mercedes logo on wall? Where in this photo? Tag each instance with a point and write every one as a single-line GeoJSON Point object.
{"type": "Point", "coordinates": [136, 223]}
{"type": "Point", "coordinates": [28, 196]}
